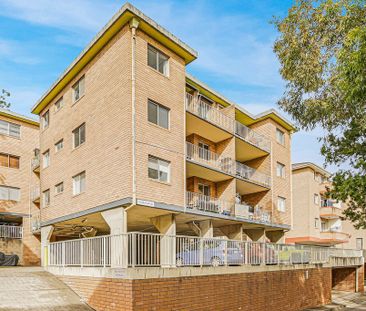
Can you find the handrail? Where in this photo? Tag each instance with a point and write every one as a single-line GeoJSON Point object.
{"type": "Point", "coordinates": [245, 172]}
{"type": "Point", "coordinates": [252, 137]}
{"type": "Point", "coordinates": [206, 203]}
{"type": "Point", "coordinates": [9, 231]}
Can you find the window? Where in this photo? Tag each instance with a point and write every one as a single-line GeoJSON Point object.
{"type": "Point", "coordinates": [316, 198]}
{"type": "Point", "coordinates": [359, 243]}
{"type": "Point", "coordinates": [78, 89]}
{"type": "Point", "coordinates": [204, 189]}
{"type": "Point", "coordinates": [45, 119]}
{"type": "Point", "coordinates": [46, 197]}
{"type": "Point", "coordinates": [46, 159]}
{"type": "Point", "coordinates": [9, 193]}
{"type": "Point", "coordinates": [159, 169]}
{"type": "Point", "coordinates": [9, 129]}
{"type": "Point", "coordinates": [59, 188]}
{"type": "Point", "coordinates": [316, 223]}
{"type": "Point", "coordinates": [78, 183]}
{"type": "Point", "coordinates": [59, 104]}
{"type": "Point", "coordinates": [59, 145]}
{"type": "Point", "coordinates": [281, 204]}
{"type": "Point", "coordinates": [79, 135]}
{"type": "Point", "coordinates": [280, 136]}
{"type": "Point", "coordinates": [8, 160]}
{"type": "Point", "coordinates": [281, 170]}
{"type": "Point", "coordinates": [158, 114]}
{"type": "Point", "coordinates": [157, 60]}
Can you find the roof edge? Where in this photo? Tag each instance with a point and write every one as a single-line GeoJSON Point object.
{"type": "Point", "coordinates": [315, 167]}
{"type": "Point", "coordinates": [16, 116]}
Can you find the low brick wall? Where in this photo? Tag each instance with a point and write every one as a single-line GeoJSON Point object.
{"type": "Point", "coordinates": [286, 290]}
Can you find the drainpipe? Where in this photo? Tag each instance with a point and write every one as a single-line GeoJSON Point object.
{"type": "Point", "coordinates": [134, 23]}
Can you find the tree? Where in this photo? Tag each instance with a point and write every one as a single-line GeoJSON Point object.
{"type": "Point", "coordinates": [3, 99]}
{"type": "Point", "coordinates": [322, 51]}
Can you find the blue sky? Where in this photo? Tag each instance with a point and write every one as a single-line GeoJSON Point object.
{"type": "Point", "coordinates": [234, 39]}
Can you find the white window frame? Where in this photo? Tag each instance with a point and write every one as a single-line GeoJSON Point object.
{"type": "Point", "coordinates": [281, 204]}
{"type": "Point", "coordinates": [160, 167]}
{"type": "Point", "coordinates": [46, 155]}
{"type": "Point", "coordinates": [78, 89]}
{"type": "Point", "coordinates": [59, 188]}
{"type": "Point", "coordinates": [61, 143]}
{"type": "Point", "coordinates": [45, 120]}
{"type": "Point", "coordinates": [357, 246]}
{"type": "Point", "coordinates": [280, 136]}
{"type": "Point", "coordinates": [79, 183]}
{"type": "Point", "coordinates": [316, 198]}
{"type": "Point", "coordinates": [77, 132]}
{"type": "Point", "coordinates": [281, 170]}
{"type": "Point", "coordinates": [59, 104]}
{"type": "Point", "coordinates": [159, 54]}
{"type": "Point", "coordinates": [158, 107]}
{"type": "Point", "coordinates": [46, 197]}
{"type": "Point", "coordinates": [8, 193]}
{"type": "Point", "coordinates": [316, 223]}
{"type": "Point", "coordinates": [10, 129]}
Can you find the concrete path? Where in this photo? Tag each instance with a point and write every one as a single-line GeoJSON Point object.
{"type": "Point", "coordinates": [34, 289]}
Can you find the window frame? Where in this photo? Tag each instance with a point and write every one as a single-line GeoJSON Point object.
{"type": "Point", "coordinates": [279, 208]}
{"type": "Point", "coordinates": [282, 167]}
{"type": "Point", "coordinates": [316, 223]}
{"type": "Point", "coordinates": [359, 239]}
{"type": "Point", "coordinates": [316, 198]}
{"type": "Point", "coordinates": [43, 158]}
{"type": "Point", "coordinates": [8, 155]}
{"type": "Point", "coordinates": [81, 186]}
{"type": "Point", "coordinates": [48, 193]}
{"type": "Point", "coordinates": [43, 120]}
{"type": "Point", "coordinates": [8, 130]}
{"type": "Point", "coordinates": [57, 192]}
{"type": "Point", "coordinates": [159, 160]}
{"type": "Point", "coordinates": [74, 133]}
{"type": "Point", "coordinates": [57, 143]}
{"type": "Point", "coordinates": [81, 90]}
{"type": "Point", "coordinates": [281, 141]}
{"type": "Point", "coordinates": [159, 54]}
{"type": "Point", "coordinates": [60, 100]}
{"type": "Point", "coordinates": [158, 107]}
{"type": "Point", "coordinates": [8, 189]}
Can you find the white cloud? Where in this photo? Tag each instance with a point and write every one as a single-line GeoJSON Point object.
{"type": "Point", "coordinates": [16, 52]}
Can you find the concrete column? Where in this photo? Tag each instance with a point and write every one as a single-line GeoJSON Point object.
{"type": "Point", "coordinates": [275, 236]}
{"type": "Point", "coordinates": [256, 235]}
{"type": "Point", "coordinates": [46, 233]}
{"type": "Point", "coordinates": [233, 232]}
{"type": "Point", "coordinates": [167, 227]}
{"type": "Point", "coordinates": [117, 221]}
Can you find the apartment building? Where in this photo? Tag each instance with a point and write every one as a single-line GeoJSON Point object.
{"type": "Point", "coordinates": [316, 217]}
{"type": "Point", "coordinates": [19, 187]}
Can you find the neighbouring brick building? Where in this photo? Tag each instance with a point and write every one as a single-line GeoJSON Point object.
{"type": "Point", "coordinates": [19, 185]}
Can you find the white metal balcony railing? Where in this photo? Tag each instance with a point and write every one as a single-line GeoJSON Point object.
{"type": "Point", "coordinates": [207, 112]}
{"type": "Point", "coordinates": [36, 223]}
{"type": "Point", "coordinates": [208, 158]}
{"type": "Point", "coordinates": [35, 163]}
{"type": "Point", "coordinates": [206, 203]}
{"type": "Point", "coordinates": [252, 137]}
{"type": "Point", "coordinates": [245, 172]}
{"type": "Point", "coordinates": [12, 232]}
{"type": "Point", "coordinates": [256, 213]}
{"type": "Point", "coordinates": [36, 194]}
{"type": "Point", "coordinates": [137, 249]}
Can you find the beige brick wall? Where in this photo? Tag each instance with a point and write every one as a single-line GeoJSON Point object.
{"type": "Point", "coordinates": [24, 179]}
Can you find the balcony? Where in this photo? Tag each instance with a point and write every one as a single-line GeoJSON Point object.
{"type": "Point", "coordinates": [334, 235]}
{"type": "Point", "coordinates": [206, 164]}
{"type": "Point", "coordinates": [205, 203]}
{"type": "Point", "coordinates": [330, 212]}
{"type": "Point", "coordinates": [11, 232]}
{"type": "Point", "coordinates": [36, 195]}
{"type": "Point", "coordinates": [250, 180]}
{"type": "Point", "coordinates": [209, 121]}
{"type": "Point", "coordinates": [36, 224]}
{"type": "Point", "coordinates": [36, 164]}
{"type": "Point", "coordinates": [250, 144]}
{"type": "Point", "coordinates": [246, 211]}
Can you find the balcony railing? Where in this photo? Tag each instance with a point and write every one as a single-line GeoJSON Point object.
{"type": "Point", "coordinates": [36, 223]}
{"type": "Point", "coordinates": [207, 112]}
{"type": "Point", "coordinates": [245, 172]}
{"type": "Point", "coordinates": [138, 249]}
{"type": "Point", "coordinates": [11, 232]}
{"type": "Point", "coordinates": [35, 163]}
{"type": "Point", "coordinates": [330, 211]}
{"type": "Point", "coordinates": [252, 213]}
{"type": "Point", "coordinates": [206, 203]}
{"type": "Point", "coordinates": [208, 158]}
{"type": "Point", "coordinates": [252, 137]}
{"type": "Point", "coordinates": [334, 234]}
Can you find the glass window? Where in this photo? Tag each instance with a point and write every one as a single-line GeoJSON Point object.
{"type": "Point", "coordinates": [316, 198]}
{"type": "Point", "coordinates": [59, 145]}
{"type": "Point", "coordinates": [316, 223]}
{"type": "Point", "coordinates": [59, 104]}
{"type": "Point", "coordinates": [359, 243]}
{"type": "Point", "coordinates": [158, 114]}
{"type": "Point", "coordinates": [59, 188]}
{"type": "Point", "coordinates": [280, 136]}
{"type": "Point", "coordinates": [281, 204]}
{"type": "Point", "coordinates": [45, 119]}
{"type": "Point", "coordinates": [204, 189]}
{"type": "Point", "coordinates": [8, 160]}
{"type": "Point", "coordinates": [78, 183]}
{"type": "Point", "coordinates": [46, 159]}
{"type": "Point", "coordinates": [9, 193]}
{"type": "Point", "coordinates": [159, 169]}
{"type": "Point", "coordinates": [157, 60]}
{"type": "Point", "coordinates": [79, 135]}
{"type": "Point", "coordinates": [9, 129]}
{"type": "Point", "coordinates": [46, 197]}
{"type": "Point", "coordinates": [78, 89]}
{"type": "Point", "coordinates": [281, 172]}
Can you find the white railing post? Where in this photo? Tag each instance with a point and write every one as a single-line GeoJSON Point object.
{"type": "Point", "coordinates": [63, 253]}
{"type": "Point", "coordinates": [104, 251]}
{"type": "Point", "coordinates": [263, 253]}
{"type": "Point", "coordinates": [225, 253]}
{"type": "Point", "coordinates": [81, 253]}
{"type": "Point", "coordinates": [246, 253]}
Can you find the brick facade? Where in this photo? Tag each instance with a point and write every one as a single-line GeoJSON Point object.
{"type": "Point", "coordinates": [247, 291]}
{"type": "Point", "coordinates": [344, 279]}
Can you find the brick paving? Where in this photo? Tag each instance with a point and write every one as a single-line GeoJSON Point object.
{"type": "Point", "coordinates": [34, 289]}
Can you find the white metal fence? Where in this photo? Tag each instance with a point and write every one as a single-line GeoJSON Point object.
{"type": "Point", "coordinates": [245, 172]}
{"type": "Point", "coordinates": [138, 249]}
{"type": "Point", "coordinates": [208, 204]}
{"type": "Point", "coordinates": [252, 137]}
{"type": "Point", "coordinates": [12, 232]}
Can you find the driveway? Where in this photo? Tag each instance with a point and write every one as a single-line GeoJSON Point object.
{"type": "Point", "coordinates": [34, 289]}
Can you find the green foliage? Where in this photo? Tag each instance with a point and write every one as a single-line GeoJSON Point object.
{"type": "Point", "coordinates": [3, 99]}
{"type": "Point", "coordinates": [322, 52]}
